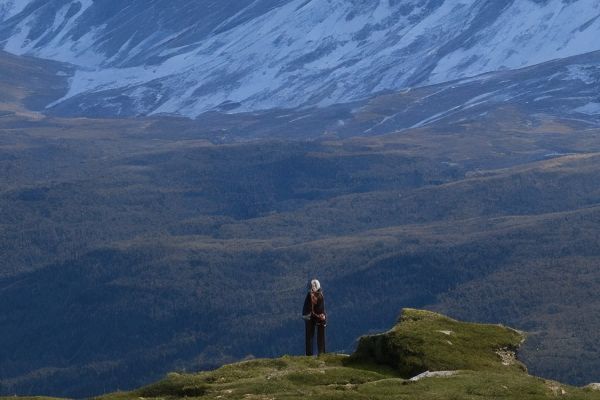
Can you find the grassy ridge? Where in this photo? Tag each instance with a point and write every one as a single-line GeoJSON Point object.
{"type": "Point", "coordinates": [377, 370]}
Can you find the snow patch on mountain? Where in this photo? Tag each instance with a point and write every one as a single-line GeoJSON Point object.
{"type": "Point", "coordinates": [586, 73]}
{"type": "Point", "coordinates": [56, 43]}
{"type": "Point", "coordinates": [10, 8]}
{"type": "Point", "coordinates": [589, 109]}
{"type": "Point", "coordinates": [526, 33]}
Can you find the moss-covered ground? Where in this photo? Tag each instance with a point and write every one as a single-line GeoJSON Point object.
{"type": "Point", "coordinates": [426, 341]}
{"type": "Point", "coordinates": [481, 356]}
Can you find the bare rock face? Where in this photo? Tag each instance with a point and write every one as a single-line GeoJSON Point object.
{"type": "Point", "coordinates": [593, 386]}
{"type": "Point", "coordinates": [508, 356]}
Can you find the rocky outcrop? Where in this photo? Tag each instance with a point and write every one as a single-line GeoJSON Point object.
{"type": "Point", "coordinates": [424, 341]}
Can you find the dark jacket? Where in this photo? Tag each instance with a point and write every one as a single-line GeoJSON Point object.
{"type": "Point", "coordinates": [313, 311]}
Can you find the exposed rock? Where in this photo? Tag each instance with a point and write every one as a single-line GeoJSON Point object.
{"type": "Point", "coordinates": [593, 386]}
{"type": "Point", "coordinates": [556, 388]}
{"type": "Point", "coordinates": [433, 374]}
{"type": "Point", "coordinates": [507, 356]}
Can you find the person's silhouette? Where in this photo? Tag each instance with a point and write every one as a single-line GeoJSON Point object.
{"type": "Point", "coordinates": [314, 315]}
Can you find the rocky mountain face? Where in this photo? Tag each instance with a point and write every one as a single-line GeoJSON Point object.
{"type": "Point", "coordinates": [187, 57]}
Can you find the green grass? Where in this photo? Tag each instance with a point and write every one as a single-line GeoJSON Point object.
{"type": "Point", "coordinates": [426, 341]}
{"type": "Point", "coordinates": [375, 370]}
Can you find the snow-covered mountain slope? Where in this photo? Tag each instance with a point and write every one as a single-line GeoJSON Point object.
{"type": "Point", "coordinates": [566, 89]}
{"type": "Point", "coordinates": [190, 56]}
{"type": "Point", "coordinates": [547, 97]}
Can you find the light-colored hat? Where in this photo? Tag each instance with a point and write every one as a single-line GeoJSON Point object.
{"type": "Point", "coordinates": [315, 285]}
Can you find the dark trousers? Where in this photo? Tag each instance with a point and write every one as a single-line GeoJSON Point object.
{"type": "Point", "coordinates": [310, 334]}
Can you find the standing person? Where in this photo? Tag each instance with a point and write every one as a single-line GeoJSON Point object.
{"type": "Point", "coordinates": [314, 315]}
